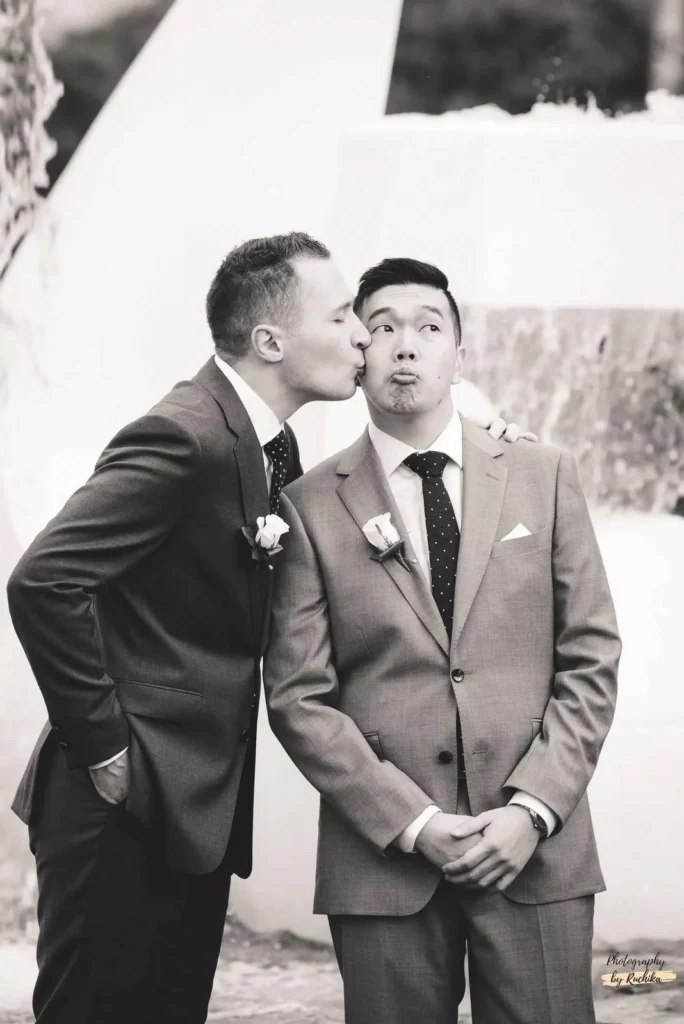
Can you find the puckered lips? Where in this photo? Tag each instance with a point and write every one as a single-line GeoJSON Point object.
{"type": "Point", "coordinates": [405, 375]}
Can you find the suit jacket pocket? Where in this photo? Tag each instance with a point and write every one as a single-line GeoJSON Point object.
{"type": "Point", "coordinates": [151, 700]}
{"type": "Point", "coordinates": [522, 545]}
{"type": "Point", "coordinates": [373, 741]}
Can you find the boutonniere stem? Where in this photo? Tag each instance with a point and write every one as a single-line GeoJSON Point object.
{"type": "Point", "coordinates": [383, 536]}
{"type": "Point", "coordinates": [394, 551]}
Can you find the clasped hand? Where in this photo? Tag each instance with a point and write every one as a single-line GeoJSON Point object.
{"type": "Point", "coordinates": [483, 852]}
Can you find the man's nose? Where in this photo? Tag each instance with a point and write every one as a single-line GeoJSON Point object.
{"type": "Point", "coordinates": [360, 337]}
{"type": "Point", "coordinates": [405, 347]}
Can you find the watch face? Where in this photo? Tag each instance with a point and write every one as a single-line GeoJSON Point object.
{"type": "Point", "coordinates": [539, 824]}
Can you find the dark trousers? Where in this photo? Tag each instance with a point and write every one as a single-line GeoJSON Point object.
{"type": "Point", "coordinates": [123, 938]}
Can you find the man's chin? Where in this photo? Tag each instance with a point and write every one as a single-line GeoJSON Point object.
{"type": "Point", "coordinates": [336, 394]}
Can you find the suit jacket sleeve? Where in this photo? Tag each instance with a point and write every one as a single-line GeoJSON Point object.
{"type": "Point", "coordinates": [125, 510]}
{"type": "Point", "coordinates": [560, 762]}
{"type": "Point", "coordinates": [301, 684]}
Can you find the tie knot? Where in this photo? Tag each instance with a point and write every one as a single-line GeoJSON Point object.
{"type": "Point", "coordinates": [427, 464]}
{"type": "Point", "coordinates": [278, 449]}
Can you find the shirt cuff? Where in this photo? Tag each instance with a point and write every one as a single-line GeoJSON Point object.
{"type": "Point", "coordinates": [110, 760]}
{"type": "Point", "coordinates": [534, 804]}
{"type": "Point", "coordinates": [406, 841]}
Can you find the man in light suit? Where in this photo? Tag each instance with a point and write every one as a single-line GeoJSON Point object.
{"type": "Point", "coordinates": [447, 688]}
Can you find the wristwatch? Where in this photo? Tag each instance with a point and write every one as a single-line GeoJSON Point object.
{"type": "Point", "coordinates": [537, 821]}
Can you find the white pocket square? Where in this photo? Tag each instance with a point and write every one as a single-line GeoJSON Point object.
{"type": "Point", "coordinates": [517, 531]}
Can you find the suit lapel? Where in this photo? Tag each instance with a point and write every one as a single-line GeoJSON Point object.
{"type": "Point", "coordinates": [366, 493]}
{"type": "Point", "coordinates": [484, 484]}
{"type": "Point", "coordinates": [250, 466]}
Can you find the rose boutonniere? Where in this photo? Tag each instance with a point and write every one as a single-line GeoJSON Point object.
{"type": "Point", "coordinates": [382, 534]}
{"type": "Point", "coordinates": [264, 538]}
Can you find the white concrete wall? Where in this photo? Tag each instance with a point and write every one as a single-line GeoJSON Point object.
{"type": "Point", "coordinates": [536, 210]}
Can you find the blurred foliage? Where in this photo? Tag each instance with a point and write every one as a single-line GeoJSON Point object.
{"type": "Point", "coordinates": [454, 54]}
{"type": "Point", "coordinates": [607, 385]}
{"type": "Point", "coordinates": [89, 65]}
{"type": "Point", "coordinates": [28, 93]}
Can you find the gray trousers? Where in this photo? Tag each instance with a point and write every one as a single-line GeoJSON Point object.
{"type": "Point", "coordinates": [527, 963]}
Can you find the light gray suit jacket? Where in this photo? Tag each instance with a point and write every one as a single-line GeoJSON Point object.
{"type": "Point", "coordinates": [362, 684]}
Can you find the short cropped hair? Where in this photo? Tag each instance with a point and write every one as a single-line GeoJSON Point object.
{"type": "Point", "coordinates": [402, 270]}
{"type": "Point", "coordinates": [256, 284]}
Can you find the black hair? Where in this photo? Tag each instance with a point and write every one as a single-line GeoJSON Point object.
{"type": "Point", "coordinates": [402, 270]}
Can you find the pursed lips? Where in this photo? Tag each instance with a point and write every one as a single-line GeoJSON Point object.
{"type": "Point", "coordinates": [404, 376]}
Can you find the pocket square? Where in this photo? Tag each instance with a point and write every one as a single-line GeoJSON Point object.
{"type": "Point", "coordinates": [517, 531]}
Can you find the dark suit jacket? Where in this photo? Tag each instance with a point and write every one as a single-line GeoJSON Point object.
{"type": "Point", "coordinates": [144, 617]}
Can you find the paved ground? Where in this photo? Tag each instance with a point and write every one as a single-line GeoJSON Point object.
{"type": "Point", "coordinates": [282, 980]}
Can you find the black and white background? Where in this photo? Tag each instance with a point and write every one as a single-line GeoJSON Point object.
{"type": "Point", "coordinates": [534, 149]}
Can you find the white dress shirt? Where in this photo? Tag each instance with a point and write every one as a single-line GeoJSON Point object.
{"type": "Point", "coordinates": [266, 427]}
{"type": "Point", "coordinates": [264, 420]}
{"type": "Point", "coordinates": [407, 489]}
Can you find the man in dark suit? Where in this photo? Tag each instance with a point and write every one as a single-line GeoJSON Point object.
{"type": "Point", "coordinates": [143, 608]}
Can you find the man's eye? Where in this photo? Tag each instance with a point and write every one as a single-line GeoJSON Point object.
{"type": "Point", "coordinates": [382, 327]}
{"type": "Point", "coordinates": [431, 327]}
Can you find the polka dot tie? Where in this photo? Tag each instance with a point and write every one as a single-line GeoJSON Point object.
{"type": "Point", "coordinates": [442, 529]}
{"type": "Point", "coordinates": [278, 451]}
{"type": "Point", "coordinates": [443, 540]}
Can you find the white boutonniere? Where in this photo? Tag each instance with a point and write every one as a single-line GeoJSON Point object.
{"type": "Point", "coordinates": [383, 535]}
{"type": "Point", "coordinates": [264, 538]}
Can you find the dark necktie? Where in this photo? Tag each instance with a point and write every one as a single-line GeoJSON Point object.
{"type": "Point", "coordinates": [443, 540]}
{"type": "Point", "coordinates": [278, 451]}
{"type": "Point", "coordinates": [442, 530]}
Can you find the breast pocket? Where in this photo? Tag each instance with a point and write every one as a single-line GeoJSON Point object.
{"type": "Point", "coordinates": [538, 541]}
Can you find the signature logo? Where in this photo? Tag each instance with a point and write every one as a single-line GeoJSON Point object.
{"type": "Point", "coordinates": [637, 971]}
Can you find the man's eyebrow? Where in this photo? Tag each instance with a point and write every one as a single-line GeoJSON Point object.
{"type": "Point", "coordinates": [381, 312]}
{"type": "Point", "coordinates": [387, 310]}
{"type": "Point", "coordinates": [344, 307]}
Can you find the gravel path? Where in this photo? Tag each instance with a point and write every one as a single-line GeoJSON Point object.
{"type": "Point", "coordinates": [283, 980]}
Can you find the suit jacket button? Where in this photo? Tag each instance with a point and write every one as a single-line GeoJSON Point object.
{"type": "Point", "coordinates": [458, 675]}
{"type": "Point", "coordinates": [244, 735]}
{"type": "Point", "coordinates": [63, 745]}
{"type": "Point", "coordinates": [445, 756]}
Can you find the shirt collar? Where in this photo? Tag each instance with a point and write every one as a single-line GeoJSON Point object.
{"type": "Point", "coordinates": [392, 452]}
{"type": "Point", "coordinates": [264, 420]}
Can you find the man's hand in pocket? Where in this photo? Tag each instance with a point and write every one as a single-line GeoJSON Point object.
{"type": "Point", "coordinates": [113, 779]}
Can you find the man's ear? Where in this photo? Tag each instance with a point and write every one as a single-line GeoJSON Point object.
{"type": "Point", "coordinates": [267, 343]}
{"type": "Point", "coordinates": [458, 370]}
